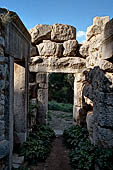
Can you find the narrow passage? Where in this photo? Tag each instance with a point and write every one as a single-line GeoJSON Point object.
{"type": "Point", "coordinates": [58, 158]}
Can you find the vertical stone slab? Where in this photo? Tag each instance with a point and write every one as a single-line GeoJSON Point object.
{"type": "Point", "coordinates": [42, 97]}
{"type": "Point", "coordinates": [20, 104]}
{"type": "Point", "coordinates": [11, 108]}
{"type": "Point", "coordinates": [79, 113]}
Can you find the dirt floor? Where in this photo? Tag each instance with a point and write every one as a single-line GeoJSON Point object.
{"type": "Point", "coordinates": [58, 159]}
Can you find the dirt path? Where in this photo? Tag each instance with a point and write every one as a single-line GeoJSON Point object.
{"type": "Point", "coordinates": [58, 158]}
{"type": "Point", "coordinates": [60, 121]}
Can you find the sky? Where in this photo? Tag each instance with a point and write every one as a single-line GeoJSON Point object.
{"type": "Point", "coordinates": [78, 13]}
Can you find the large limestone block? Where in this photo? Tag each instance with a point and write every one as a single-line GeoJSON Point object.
{"type": "Point", "coordinates": [40, 32]}
{"type": "Point", "coordinates": [108, 31]}
{"type": "Point", "coordinates": [100, 21]}
{"type": "Point", "coordinates": [62, 32]}
{"type": "Point", "coordinates": [63, 65]}
{"type": "Point", "coordinates": [93, 30]}
{"type": "Point", "coordinates": [49, 48]}
{"type": "Point", "coordinates": [70, 48]}
{"type": "Point", "coordinates": [107, 48]}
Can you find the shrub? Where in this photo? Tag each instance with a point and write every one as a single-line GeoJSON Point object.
{"type": "Point", "coordinates": [38, 144]}
{"type": "Point", "coordinates": [53, 105]}
{"type": "Point", "coordinates": [84, 155]}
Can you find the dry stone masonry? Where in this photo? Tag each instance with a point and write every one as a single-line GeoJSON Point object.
{"type": "Point", "coordinates": [91, 64]}
{"type": "Point", "coordinates": [50, 49]}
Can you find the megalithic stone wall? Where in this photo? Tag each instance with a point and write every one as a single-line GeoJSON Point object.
{"type": "Point", "coordinates": [55, 49]}
{"type": "Point", "coordinates": [4, 98]}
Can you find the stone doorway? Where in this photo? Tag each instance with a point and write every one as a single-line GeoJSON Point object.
{"type": "Point", "coordinates": [20, 102]}
{"type": "Point", "coordinates": [60, 101]}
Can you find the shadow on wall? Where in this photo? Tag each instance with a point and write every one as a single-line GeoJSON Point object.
{"type": "Point", "coordinates": [99, 89]}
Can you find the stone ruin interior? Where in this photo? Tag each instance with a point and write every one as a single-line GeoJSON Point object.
{"type": "Point", "coordinates": [26, 60]}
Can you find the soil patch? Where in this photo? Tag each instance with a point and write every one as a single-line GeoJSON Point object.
{"type": "Point", "coordinates": [58, 158]}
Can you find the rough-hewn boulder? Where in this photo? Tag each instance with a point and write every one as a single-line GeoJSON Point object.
{"type": "Point", "coordinates": [93, 30]}
{"type": "Point", "coordinates": [62, 32]}
{"type": "Point", "coordinates": [70, 48]}
{"type": "Point", "coordinates": [50, 48]}
{"type": "Point", "coordinates": [40, 32]}
{"type": "Point", "coordinates": [84, 50]}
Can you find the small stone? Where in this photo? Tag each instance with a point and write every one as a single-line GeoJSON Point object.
{"type": "Point", "coordinates": [62, 32]}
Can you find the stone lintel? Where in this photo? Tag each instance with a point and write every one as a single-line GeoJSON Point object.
{"type": "Point", "coordinates": [59, 65]}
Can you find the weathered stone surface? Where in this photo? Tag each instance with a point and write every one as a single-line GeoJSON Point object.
{"type": "Point", "coordinates": [2, 127]}
{"type": "Point", "coordinates": [42, 97]}
{"type": "Point", "coordinates": [41, 78]}
{"type": "Point", "coordinates": [4, 148]}
{"type": "Point", "coordinates": [36, 60]}
{"type": "Point", "coordinates": [50, 49]}
{"type": "Point", "coordinates": [107, 48]}
{"type": "Point", "coordinates": [84, 50]}
{"type": "Point", "coordinates": [40, 32]}
{"type": "Point", "coordinates": [33, 90]}
{"type": "Point", "coordinates": [1, 51]}
{"type": "Point", "coordinates": [108, 31]}
{"type": "Point", "coordinates": [90, 123]}
{"type": "Point", "coordinates": [33, 112]}
{"type": "Point", "coordinates": [63, 64]}
{"type": "Point", "coordinates": [93, 30]}
{"type": "Point", "coordinates": [33, 51]}
{"type": "Point", "coordinates": [101, 21]}
{"type": "Point", "coordinates": [70, 48]}
{"type": "Point", "coordinates": [106, 65]}
{"type": "Point", "coordinates": [62, 32]}
{"type": "Point", "coordinates": [2, 41]}
{"type": "Point", "coordinates": [102, 137]}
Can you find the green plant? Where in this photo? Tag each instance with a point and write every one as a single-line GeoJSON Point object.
{"type": "Point", "coordinates": [53, 105]}
{"type": "Point", "coordinates": [74, 135]}
{"type": "Point", "coordinates": [38, 145]}
{"type": "Point", "coordinates": [84, 155]}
